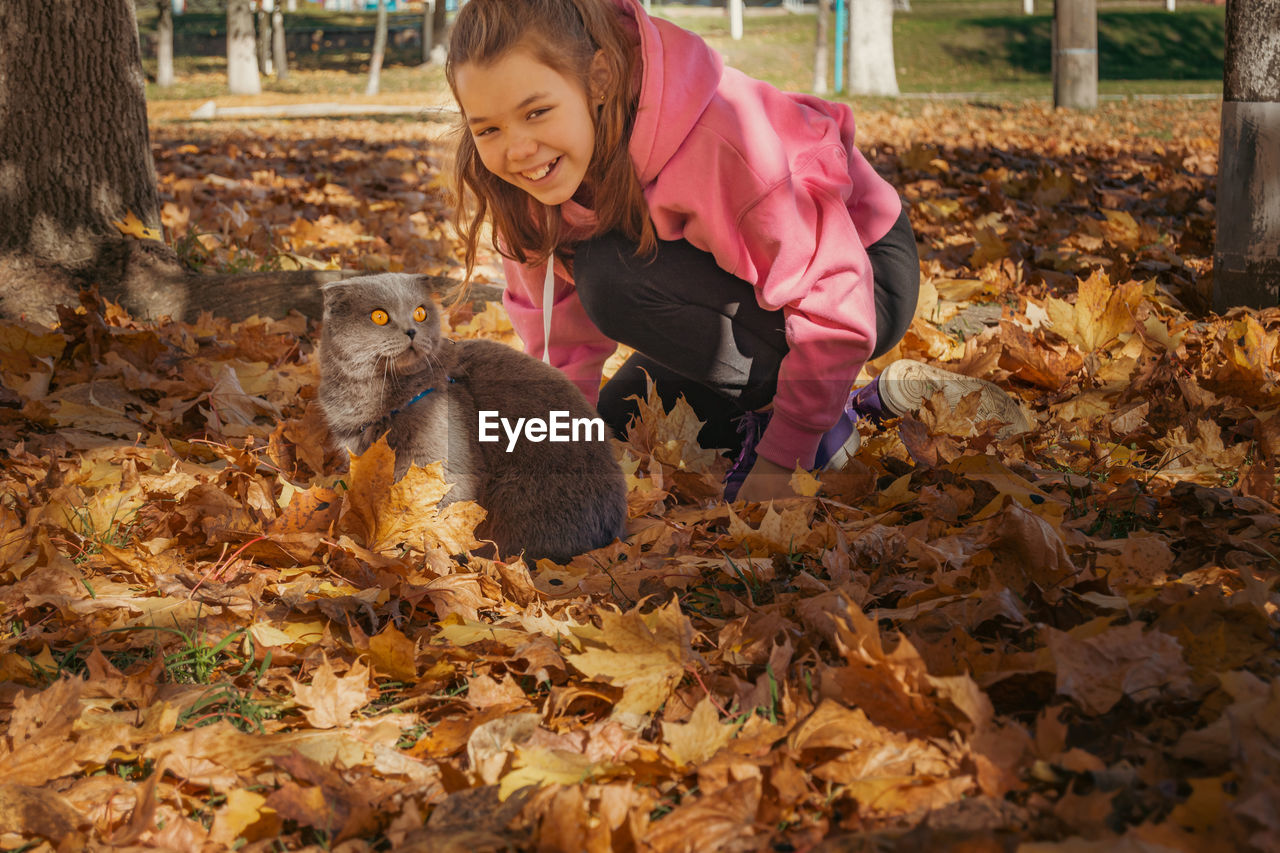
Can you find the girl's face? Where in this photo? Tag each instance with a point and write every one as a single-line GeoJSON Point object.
{"type": "Point", "coordinates": [533, 126]}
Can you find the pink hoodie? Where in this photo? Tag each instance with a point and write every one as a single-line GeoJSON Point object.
{"type": "Point", "coordinates": [772, 186]}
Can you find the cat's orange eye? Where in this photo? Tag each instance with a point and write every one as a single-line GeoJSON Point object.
{"type": "Point", "coordinates": [420, 313]}
{"type": "Point", "coordinates": [380, 317]}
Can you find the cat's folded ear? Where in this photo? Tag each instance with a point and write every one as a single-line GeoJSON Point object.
{"type": "Point", "coordinates": [335, 294]}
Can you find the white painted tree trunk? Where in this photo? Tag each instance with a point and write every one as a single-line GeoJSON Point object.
{"type": "Point", "coordinates": [164, 45]}
{"type": "Point", "coordinates": [871, 67]}
{"type": "Point", "coordinates": [1170, 5]}
{"type": "Point", "coordinates": [279, 47]}
{"type": "Point", "coordinates": [735, 19]}
{"type": "Point", "coordinates": [1029, 7]}
{"type": "Point", "coordinates": [242, 49]}
{"type": "Point", "coordinates": [820, 49]}
{"type": "Point", "coordinates": [379, 50]}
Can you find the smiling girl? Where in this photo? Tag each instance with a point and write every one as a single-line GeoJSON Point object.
{"type": "Point", "coordinates": [641, 192]}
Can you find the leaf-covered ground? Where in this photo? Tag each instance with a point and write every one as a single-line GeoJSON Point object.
{"type": "Point", "coordinates": [217, 633]}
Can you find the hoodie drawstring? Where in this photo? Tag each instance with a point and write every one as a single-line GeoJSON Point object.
{"type": "Point", "coordinates": [548, 294]}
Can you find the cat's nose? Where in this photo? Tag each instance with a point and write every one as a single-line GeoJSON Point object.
{"type": "Point", "coordinates": [411, 332]}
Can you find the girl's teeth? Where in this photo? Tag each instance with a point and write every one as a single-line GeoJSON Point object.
{"type": "Point", "coordinates": [541, 173]}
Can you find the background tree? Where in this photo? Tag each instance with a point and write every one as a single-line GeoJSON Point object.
{"type": "Point", "coordinates": [263, 34]}
{"type": "Point", "coordinates": [434, 35]}
{"type": "Point", "coordinates": [379, 51]}
{"type": "Point", "coordinates": [1075, 54]}
{"type": "Point", "coordinates": [75, 158]}
{"type": "Point", "coordinates": [820, 47]}
{"type": "Point", "coordinates": [1246, 258]}
{"type": "Point", "coordinates": [871, 67]}
{"type": "Point", "coordinates": [75, 151]}
{"type": "Point", "coordinates": [279, 47]}
{"type": "Point", "coordinates": [164, 44]}
{"type": "Point", "coordinates": [242, 59]}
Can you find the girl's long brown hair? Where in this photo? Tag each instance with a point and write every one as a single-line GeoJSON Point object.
{"type": "Point", "coordinates": [564, 35]}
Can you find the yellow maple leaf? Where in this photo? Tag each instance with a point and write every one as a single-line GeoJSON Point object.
{"type": "Point", "coordinates": [132, 226]}
{"type": "Point", "coordinates": [549, 766]}
{"type": "Point", "coordinates": [392, 654]}
{"type": "Point", "coordinates": [1101, 314]}
{"type": "Point", "coordinates": [643, 653]}
{"type": "Point", "coordinates": [779, 532]}
{"type": "Point", "coordinates": [388, 513]}
{"type": "Point", "coordinates": [696, 741]}
{"type": "Point", "coordinates": [241, 810]}
{"type": "Point", "coordinates": [804, 483]}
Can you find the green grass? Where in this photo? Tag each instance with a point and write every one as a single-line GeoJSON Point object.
{"type": "Point", "coordinates": [941, 46]}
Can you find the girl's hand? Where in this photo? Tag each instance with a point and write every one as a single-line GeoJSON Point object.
{"type": "Point", "coordinates": [765, 482]}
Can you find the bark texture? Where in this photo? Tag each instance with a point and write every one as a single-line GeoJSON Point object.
{"type": "Point", "coordinates": [75, 155]}
{"type": "Point", "coordinates": [75, 152]}
{"type": "Point", "coordinates": [279, 51]}
{"type": "Point", "coordinates": [1075, 54]}
{"type": "Point", "coordinates": [1246, 258]}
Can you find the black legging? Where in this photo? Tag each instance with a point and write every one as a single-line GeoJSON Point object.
{"type": "Point", "coordinates": [699, 331]}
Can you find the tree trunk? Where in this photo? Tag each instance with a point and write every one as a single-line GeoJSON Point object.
{"type": "Point", "coordinates": [735, 19]}
{"type": "Point", "coordinates": [164, 44]}
{"type": "Point", "coordinates": [263, 39]}
{"type": "Point", "coordinates": [439, 31]}
{"type": "Point", "coordinates": [278, 48]}
{"type": "Point", "coordinates": [379, 50]}
{"type": "Point", "coordinates": [75, 157]}
{"type": "Point", "coordinates": [1246, 258]}
{"type": "Point", "coordinates": [428, 30]}
{"type": "Point", "coordinates": [820, 49]}
{"type": "Point", "coordinates": [871, 67]}
{"type": "Point", "coordinates": [1075, 54]}
{"type": "Point", "coordinates": [75, 152]}
{"type": "Point", "coordinates": [242, 61]}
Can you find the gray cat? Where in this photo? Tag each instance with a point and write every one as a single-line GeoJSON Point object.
{"type": "Point", "coordinates": [550, 491]}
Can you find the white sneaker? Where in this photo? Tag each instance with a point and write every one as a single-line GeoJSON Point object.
{"type": "Point", "coordinates": [906, 384]}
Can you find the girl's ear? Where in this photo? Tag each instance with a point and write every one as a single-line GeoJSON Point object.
{"type": "Point", "coordinates": [599, 78]}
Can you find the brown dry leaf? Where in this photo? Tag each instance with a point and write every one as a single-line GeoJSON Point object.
{"type": "Point", "coordinates": [1097, 668]}
{"type": "Point", "coordinates": [330, 699]}
{"type": "Point", "coordinates": [722, 821]}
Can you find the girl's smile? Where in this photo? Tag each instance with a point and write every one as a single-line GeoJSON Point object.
{"type": "Point", "coordinates": [533, 126]}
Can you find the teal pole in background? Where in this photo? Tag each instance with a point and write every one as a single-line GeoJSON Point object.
{"type": "Point", "coordinates": [841, 16]}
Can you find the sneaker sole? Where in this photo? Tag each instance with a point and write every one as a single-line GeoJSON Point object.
{"type": "Point", "coordinates": [905, 385]}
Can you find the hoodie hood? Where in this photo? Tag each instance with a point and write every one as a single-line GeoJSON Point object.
{"type": "Point", "coordinates": [680, 78]}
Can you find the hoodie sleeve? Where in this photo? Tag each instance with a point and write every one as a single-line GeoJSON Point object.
{"type": "Point", "coordinates": [800, 247]}
{"type": "Point", "coordinates": [578, 348]}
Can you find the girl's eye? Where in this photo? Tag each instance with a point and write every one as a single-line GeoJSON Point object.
{"type": "Point", "coordinates": [380, 317]}
{"type": "Point", "coordinates": [420, 313]}
{"type": "Point", "coordinates": [539, 112]}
